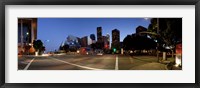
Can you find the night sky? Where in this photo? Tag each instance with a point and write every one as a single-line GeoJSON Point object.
{"type": "Point", "coordinates": [56, 30]}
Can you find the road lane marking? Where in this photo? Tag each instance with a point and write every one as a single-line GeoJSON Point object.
{"type": "Point", "coordinates": [116, 63]}
{"type": "Point", "coordinates": [131, 59]}
{"type": "Point", "coordinates": [85, 67]}
{"type": "Point", "coordinates": [27, 66]}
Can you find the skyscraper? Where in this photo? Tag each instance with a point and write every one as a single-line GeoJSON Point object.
{"type": "Point", "coordinates": [108, 40]}
{"type": "Point", "coordinates": [105, 42]}
{"type": "Point", "coordinates": [27, 33]}
{"type": "Point", "coordinates": [108, 37]}
{"type": "Point", "coordinates": [115, 35]}
{"type": "Point", "coordinates": [116, 40]}
{"type": "Point", "coordinates": [84, 41]}
{"type": "Point", "coordinates": [100, 43]}
{"type": "Point", "coordinates": [99, 34]}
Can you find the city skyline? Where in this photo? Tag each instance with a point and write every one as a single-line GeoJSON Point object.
{"type": "Point", "coordinates": [56, 30]}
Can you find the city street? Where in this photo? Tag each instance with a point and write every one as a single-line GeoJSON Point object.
{"type": "Point", "coordinates": [89, 62]}
{"type": "Point", "coordinates": [100, 47]}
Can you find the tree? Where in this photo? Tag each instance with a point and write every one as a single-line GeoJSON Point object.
{"type": "Point", "coordinates": [43, 48]}
{"type": "Point", "coordinates": [38, 45]}
{"type": "Point", "coordinates": [127, 43]}
{"type": "Point", "coordinates": [66, 48]}
{"type": "Point", "coordinates": [93, 46]}
{"type": "Point", "coordinates": [137, 42]}
{"type": "Point", "coordinates": [169, 33]}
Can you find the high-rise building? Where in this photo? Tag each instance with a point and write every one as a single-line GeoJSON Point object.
{"type": "Point", "coordinates": [99, 34]}
{"type": "Point", "coordinates": [108, 37]}
{"type": "Point", "coordinates": [27, 33]}
{"type": "Point", "coordinates": [84, 41]}
{"type": "Point", "coordinates": [115, 35]}
{"type": "Point", "coordinates": [99, 38]}
{"type": "Point", "coordinates": [105, 42]}
{"type": "Point", "coordinates": [140, 29]}
{"type": "Point", "coordinates": [116, 40]}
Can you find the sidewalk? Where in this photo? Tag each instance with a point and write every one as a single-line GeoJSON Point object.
{"type": "Point", "coordinates": [154, 65]}
{"type": "Point", "coordinates": [150, 66]}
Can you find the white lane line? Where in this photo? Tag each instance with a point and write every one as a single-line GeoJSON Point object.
{"type": "Point", "coordinates": [85, 67]}
{"type": "Point", "coordinates": [116, 63]}
{"type": "Point", "coordinates": [27, 66]}
{"type": "Point", "coordinates": [131, 59]}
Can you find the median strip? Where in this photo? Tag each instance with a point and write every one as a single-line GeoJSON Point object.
{"type": "Point", "coordinates": [85, 67]}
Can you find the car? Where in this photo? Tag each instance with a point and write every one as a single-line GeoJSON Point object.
{"type": "Point", "coordinates": [99, 52]}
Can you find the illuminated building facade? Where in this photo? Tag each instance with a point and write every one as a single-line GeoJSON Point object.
{"type": "Point", "coordinates": [27, 33]}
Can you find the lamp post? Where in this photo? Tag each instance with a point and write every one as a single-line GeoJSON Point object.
{"type": "Point", "coordinates": [27, 43]}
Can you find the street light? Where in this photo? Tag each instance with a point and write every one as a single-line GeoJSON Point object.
{"type": "Point", "coordinates": [27, 38]}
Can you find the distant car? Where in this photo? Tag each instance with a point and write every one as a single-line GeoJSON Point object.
{"type": "Point", "coordinates": [99, 52]}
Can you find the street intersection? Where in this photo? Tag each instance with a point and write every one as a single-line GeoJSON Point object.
{"type": "Point", "coordinates": [89, 62]}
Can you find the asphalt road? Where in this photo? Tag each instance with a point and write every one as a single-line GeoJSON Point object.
{"type": "Point", "coordinates": [88, 62]}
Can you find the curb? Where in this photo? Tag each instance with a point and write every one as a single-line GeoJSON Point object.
{"type": "Point", "coordinates": [166, 67]}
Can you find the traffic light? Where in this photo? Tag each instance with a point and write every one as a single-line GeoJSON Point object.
{"type": "Point", "coordinates": [106, 46]}
{"type": "Point", "coordinates": [114, 50]}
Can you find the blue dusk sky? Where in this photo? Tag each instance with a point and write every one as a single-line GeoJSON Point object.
{"type": "Point", "coordinates": [56, 30]}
